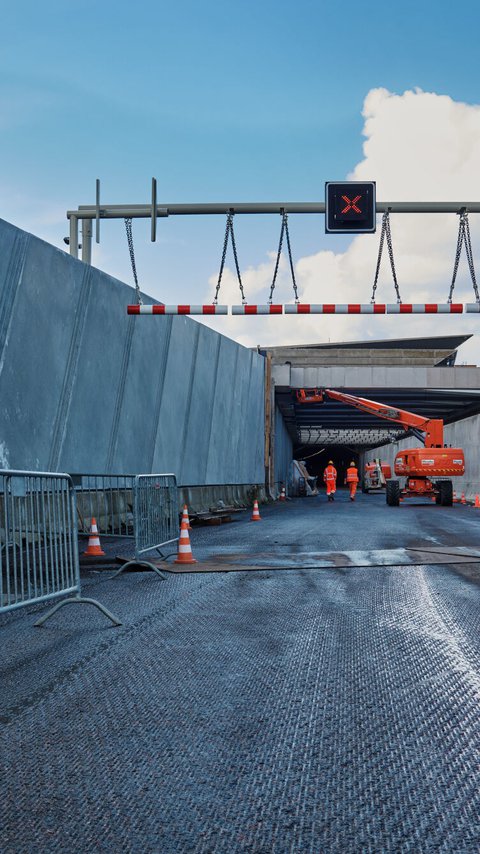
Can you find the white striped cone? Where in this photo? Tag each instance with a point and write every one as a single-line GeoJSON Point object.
{"type": "Point", "coordinates": [283, 496]}
{"type": "Point", "coordinates": [455, 499]}
{"type": "Point", "coordinates": [256, 513]}
{"type": "Point", "coordinates": [94, 548]}
{"type": "Point", "coordinates": [184, 548]}
{"type": "Point", "coordinates": [185, 517]}
{"type": "Point", "coordinates": [463, 500]}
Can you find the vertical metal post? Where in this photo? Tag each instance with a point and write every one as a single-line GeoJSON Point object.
{"type": "Point", "coordinates": [73, 236]}
{"type": "Point", "coordinates": [87, 241]}
{"type": "Point", "coordinates": [97, 210]}
{"type": "Point", "coordinates": [154, 210]}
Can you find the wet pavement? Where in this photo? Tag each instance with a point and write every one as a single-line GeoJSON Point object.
{"type": "Point", "coordinates": [331, 709]}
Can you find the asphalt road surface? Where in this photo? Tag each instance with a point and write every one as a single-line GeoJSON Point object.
{"type": "Point", "coordinates": [333, 708]}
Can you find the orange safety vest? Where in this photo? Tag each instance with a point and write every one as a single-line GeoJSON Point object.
{"type": "Point", "coordinates": [352, 475]}
{"type": "Point", "coordinates": [330, 473]}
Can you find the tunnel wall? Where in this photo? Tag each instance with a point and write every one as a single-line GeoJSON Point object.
{"type": "Point", "coordinates": [283, 452]}
{"type": "Point", "coordinates": [463, 434]}
{"type": "Point", "coordinates": [86, 389]}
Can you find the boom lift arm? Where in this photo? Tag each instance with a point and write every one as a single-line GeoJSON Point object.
{"type": "Point", "coordinates": [419, 424]}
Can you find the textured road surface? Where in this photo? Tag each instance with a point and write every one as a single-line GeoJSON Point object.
{"type": "Point", "coordinates": [327, 710]}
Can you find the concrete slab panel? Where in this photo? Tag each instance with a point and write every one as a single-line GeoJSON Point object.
{"type": "Point", "coordinates": [85, 388]}
{"type": "Point", "coordinates": [197, 431]}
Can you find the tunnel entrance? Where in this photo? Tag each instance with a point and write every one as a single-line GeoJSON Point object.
{"type": "Point", "coordinates": [340, 455]}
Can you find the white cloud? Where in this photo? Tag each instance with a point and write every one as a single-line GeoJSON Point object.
{"type": "Point", "coordinates": [420, 146]}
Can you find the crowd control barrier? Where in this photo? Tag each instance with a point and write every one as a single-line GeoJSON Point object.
{"type": "Point", "coordinates": [155, 517]}
{"type": "Point", "coordinates": [38, 542]}
{"type": "Point", "coordinates": [108, 498]}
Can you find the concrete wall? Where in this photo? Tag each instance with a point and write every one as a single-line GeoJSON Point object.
{"type": "Point", "coordinates": [85, 388]}
{"type": "Point", "coordinates": [283, 451]}
{"type": "Point", "coordinates": [361, 376]}
{"type": "Point", "coordinates": [463, 434]}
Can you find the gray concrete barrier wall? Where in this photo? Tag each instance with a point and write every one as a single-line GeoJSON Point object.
{"type": "Point", "coordinates": [463, 434]}
{"type": "Point", "coordinates": [283, 451]}
{"type": "Point", "coordinates": [85, 388]}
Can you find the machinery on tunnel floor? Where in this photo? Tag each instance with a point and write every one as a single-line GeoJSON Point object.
{"type": "Point", "coordinates": [420, 466]}
{"type": "Point", "coordinates": [376, 475]}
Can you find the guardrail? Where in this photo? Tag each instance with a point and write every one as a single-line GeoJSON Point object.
{"type": "Point", "coordinates": [38, 542]}
{"type": "Point", "coordinates": [155, 514]}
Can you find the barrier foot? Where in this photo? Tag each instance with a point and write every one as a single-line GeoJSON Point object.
{"type": "Point", "coordinates": [144, 563]}
{"type": "Point", "coordinates": [78, 600]}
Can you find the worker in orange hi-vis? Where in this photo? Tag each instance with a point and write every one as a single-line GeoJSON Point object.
{"type": "Point", "coordinates": [351, 480]}
{"type": "Point", "coordinates": [330, 478]}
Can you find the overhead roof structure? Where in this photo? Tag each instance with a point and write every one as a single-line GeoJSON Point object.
{"type": "Point", "coordinates": [418, 375]}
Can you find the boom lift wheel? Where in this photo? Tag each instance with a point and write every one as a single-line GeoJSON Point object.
{"type": "Point", "coordinates": [393, 493]}
{"type": "Point", "coordinates": [446, 493]}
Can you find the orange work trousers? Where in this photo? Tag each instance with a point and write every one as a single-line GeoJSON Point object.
{"type": "Point", "coordinates": [331, 487]}
{"type": "Point", "coordinates": [352, 485]}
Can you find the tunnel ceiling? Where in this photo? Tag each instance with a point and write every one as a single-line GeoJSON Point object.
{"type": "Point", "coordinates": [333, 423]}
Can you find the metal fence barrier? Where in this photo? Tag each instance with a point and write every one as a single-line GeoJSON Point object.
{"type": "Point", "coordinates": [38, 542]}
{"type": "Point", "coordinates": [109, 499]}
{"type": "Point", "coordinates": [155, 516]}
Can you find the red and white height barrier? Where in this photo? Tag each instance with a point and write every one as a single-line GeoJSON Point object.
{"type": "Point", "coordinates": [425, 308]}
{"type": "Point", "coordinates": [257, 309]}
{"type": "Point", "coordinates": [177, 309]}
{"type": "Point", "coordinates": [311, 308]}
{"type": "Point", "coordinates": [338, 308]}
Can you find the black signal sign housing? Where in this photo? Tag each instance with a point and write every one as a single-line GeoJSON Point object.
{"type": "Point", "coordinates": [350, 207]}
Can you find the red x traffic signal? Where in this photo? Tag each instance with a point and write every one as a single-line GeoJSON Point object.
{"type": "Point", "coordinates": [350, 207]}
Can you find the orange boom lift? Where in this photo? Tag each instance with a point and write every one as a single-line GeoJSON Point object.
{"type": "Point", "coordinates": [420, 466]}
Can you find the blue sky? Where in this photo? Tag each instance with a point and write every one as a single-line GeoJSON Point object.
{"type": "Point", "coordinates": [221, 102]}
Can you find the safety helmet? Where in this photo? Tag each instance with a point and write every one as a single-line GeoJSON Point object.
{"type": "Point", "coordinates": [352, 464]}
{"type": "Point", "coordinates": [330, 462]}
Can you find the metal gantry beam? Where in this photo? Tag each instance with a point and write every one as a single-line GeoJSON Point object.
{"type": "Point", "coordinates": [153, 210]}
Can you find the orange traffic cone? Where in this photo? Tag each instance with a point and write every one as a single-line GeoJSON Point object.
{"type": "Point", "coordinates": [256, 514]}
{"type": "Point", "coordinates": [184, 548]}
{"type": "Point", "coordinates": [185, 517]}
{"type": "Point", "coordinates": [477, 500]}
{"type": "Point", "coordinates": [462, 500]}
{"type": "Point", "coordinates": [455, 499]}
{"type": "Point", "coordinates": [282, 496]}
{"type": "Point", "coordinates": [433, 498]}
{"type": "Point", "coordinates": [94, 548]}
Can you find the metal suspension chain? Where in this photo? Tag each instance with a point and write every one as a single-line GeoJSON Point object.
{"type": "Point", "coordinates": [464, 237]}
{"type": "Point", "coordinates": [283, 229]}
{"type": "Point", "coordinates": [229, 230]}
{"type": "Point", "coordinates": [386, 233]}
{"type": "Point", "coordinates": [128, 228]}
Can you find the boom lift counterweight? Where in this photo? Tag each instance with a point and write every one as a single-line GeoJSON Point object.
{"type": "Point", "coordinates": [417, 465]}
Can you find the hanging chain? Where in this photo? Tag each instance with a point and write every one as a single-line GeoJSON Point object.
{"type": "Point", "coordinates": [128, 228]}
{"type": "Point", "coordinates": [386, 232]}
{"type": "Point", "coordinates": [229, 230]}
{"type": "Point", "coordinates": [464, 237]}
{"type": "Point", "coordinates": [283, 229]}
{"type": "Point", "coordinates": [277, 262]}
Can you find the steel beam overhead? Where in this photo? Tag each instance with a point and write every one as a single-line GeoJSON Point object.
{"type": "Point", "coordinates": [145, 211]}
